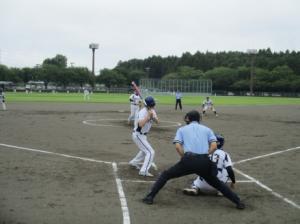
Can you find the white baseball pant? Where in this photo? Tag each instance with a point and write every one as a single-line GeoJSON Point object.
{"type": "Point", "coordinates": [146, 153]}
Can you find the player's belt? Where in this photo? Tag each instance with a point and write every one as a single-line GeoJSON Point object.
{"type": "Point", "coordinates": [135, 104]}
{"type": "Point", "coordinates": [138, 132]}
{"type": "Point", "coordinates": [194, 154]}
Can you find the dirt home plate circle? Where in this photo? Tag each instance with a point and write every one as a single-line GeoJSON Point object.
{"type": "Point", "coordinates": [112, 122]}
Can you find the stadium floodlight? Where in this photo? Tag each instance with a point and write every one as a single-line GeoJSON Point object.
{"type": "Point", "coordinates": [252, 52]}
{"type": "Point", "coordinates": [93, 46]}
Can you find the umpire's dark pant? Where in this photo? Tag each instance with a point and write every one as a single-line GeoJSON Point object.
{"type": "Point", "coordinates": [178, 101]}
{"type": "Point", "coordinates": [192, 163]}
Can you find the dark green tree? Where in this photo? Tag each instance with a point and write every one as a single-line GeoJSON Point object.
{"type": "Point", "coordinates": [59, 60]}
{"type": "Point", "coordinates": [111, 78]}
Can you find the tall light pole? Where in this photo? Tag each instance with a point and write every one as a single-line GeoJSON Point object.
{"type": "Point", "coordinates": [252, 52]}
{"type": "Point", "coordinates": [93, 46]}
{"type": "Point", "coordinates": [148, 71]}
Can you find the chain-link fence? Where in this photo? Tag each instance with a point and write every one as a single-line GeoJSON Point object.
{"type": "Point", "coordinates": [170, 86]}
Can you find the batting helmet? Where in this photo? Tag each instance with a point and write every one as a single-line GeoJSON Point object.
{"type": "Point", "coordinates": [149, 101]}
{"type": "Point", "coordinates": [220, 141]}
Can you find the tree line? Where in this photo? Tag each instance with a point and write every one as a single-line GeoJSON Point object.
{"type": "Point", "coordinates": [52, 70]}
{"type": "Point", "coordinates": [229, 71]}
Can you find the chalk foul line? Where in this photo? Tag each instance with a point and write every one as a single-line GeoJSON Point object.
{"type": "Point", "coordinates": [266, 155]}
{"type": "Point", "coordinates": [268, 189]}
{"type": "Point", "coordinates": [152, 181]}
{"type": "Point", "coordinates": [55, 153]}
{"type": "Point", "coordinates": [125, 210]}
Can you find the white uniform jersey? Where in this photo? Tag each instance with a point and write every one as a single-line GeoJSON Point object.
{"type": "Point", "coordinates": [141, 115]}
{"type": "Point", "coordinates": [223, 160]}
{"type": "Point", "coordinates": [207, 103]}
{"type": "Point", "coordinates": [135, 99]}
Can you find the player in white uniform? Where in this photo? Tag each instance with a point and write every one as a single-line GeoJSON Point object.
{"type": "Point", "coordinates": [2, 99]}
{"type": "Point", "coordinates": [225, 171]}
{"type": "Point", "coordinates": [208, 105]}
{"type": "Point", "coordinates": [142, 126]}
{"type": "Point", "coordinates": [86, 94]}
{"type": "Point", "coordinates": [135, 102]}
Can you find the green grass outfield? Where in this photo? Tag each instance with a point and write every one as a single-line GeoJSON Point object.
{"type": "Point", "coordinates": [161, 99]}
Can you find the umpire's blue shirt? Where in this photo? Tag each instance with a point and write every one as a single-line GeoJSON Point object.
{"type": "Point", "coordinates": [195, 138]}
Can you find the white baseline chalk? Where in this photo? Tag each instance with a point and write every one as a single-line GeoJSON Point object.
{"type": "Point", "coordinates": [54, 153]}
{"type": "Point", "coordinates": [268, 189]}
{"type": "Point", "coordinates": [152, 181]}
{"type": "Point", "coordinates": [266, 155]}
{"type": "Point", "coordinates": [125, 210]}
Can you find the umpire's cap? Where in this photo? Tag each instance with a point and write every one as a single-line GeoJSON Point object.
{"type": "Point", "coordinates": [193, 115]}
{"type": "Point", "coordinates": [149, 101]}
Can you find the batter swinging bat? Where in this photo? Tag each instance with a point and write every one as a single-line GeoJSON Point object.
{"type": "Point", "coordinates": [137, 89]}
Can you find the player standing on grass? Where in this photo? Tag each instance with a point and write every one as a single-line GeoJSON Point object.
{"type": "Point", "coordinates": [207, 104]}
{"type": "Point", "coordinates": [194, 142]}
{"type": "Point", "coordinates": [178, 97]}
{"type": "Point", "coordinates": [86, 94]}
{"type": "Point", "coordinates": [2, 99]}
{"type": "Point", "coordinates": [225, 171]}
{"type": "Point", "coordinates": [135, 103]}
{"type": "Point", "coordinates": [142, 126]}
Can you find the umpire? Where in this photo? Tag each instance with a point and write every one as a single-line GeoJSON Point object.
{"type": "Point", "coordinates": [194, 142]}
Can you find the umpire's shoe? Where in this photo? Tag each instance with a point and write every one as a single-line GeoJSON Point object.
{"type": "Point", "coordinates": [148, 200]}
{"type": "Point", "coordinates": [240, 205]}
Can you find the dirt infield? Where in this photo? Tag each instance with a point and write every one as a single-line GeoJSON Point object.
{"type": "Point", "coordinates": [66, 163]}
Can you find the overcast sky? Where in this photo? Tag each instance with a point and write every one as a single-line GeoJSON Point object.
{"type": "Point", "coordinates": [32, 30]}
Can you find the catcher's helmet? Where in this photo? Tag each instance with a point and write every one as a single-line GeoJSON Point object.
{"type": "Point", "coordinates": [220, 141]}
{"type": "Point", "coordinates": [149, 101]}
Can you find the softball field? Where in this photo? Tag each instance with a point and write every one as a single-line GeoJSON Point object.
{"type": "Point", "coordinates": [67, 163]}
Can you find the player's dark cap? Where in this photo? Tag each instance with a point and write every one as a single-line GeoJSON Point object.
{"type": "Point", "coordinates": [192, 116]}
{"type": "Point", "coordinates": [149, 101]}
{"type": "Point", "coordinates": [220, 140]}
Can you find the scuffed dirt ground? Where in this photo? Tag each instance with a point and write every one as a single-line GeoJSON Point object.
{"type": "Point", "coordinates": [37, 187]}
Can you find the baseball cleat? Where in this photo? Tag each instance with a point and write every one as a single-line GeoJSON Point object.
{"type": "Point", "coordinates": [154, 166]}
{"type": "Point", "coordinates": [146, 174]}
{"type": "Point", "coordinates": [240, 205]}
{"type": "Point", "coordinates": [148, 200]}
{"type": "Point", "coordinates": [191, 191]}
{"type": "Point", "coordinates": [219, 194]}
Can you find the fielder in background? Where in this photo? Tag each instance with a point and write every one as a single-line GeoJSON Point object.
{"type": "Point", "coordinates": [178, 97]}
{"type": "Point", "coordinates": [135, 104]}
{"type": "Point", "coordinates": [225, 171]}
{"type": "Point", "coordinates": [2, 99]}
{"type": "Point", "coordinates": [194, 142]}
{"type": "Point", "coordinates": [207, 104]}
{"type": "Point", "coordinates": [86, 94]}
{"type": "Point", "coordinates": [142, 126]}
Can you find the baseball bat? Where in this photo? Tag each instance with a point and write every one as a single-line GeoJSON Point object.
{"type": "Point", "coordinates": [137, 89]}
